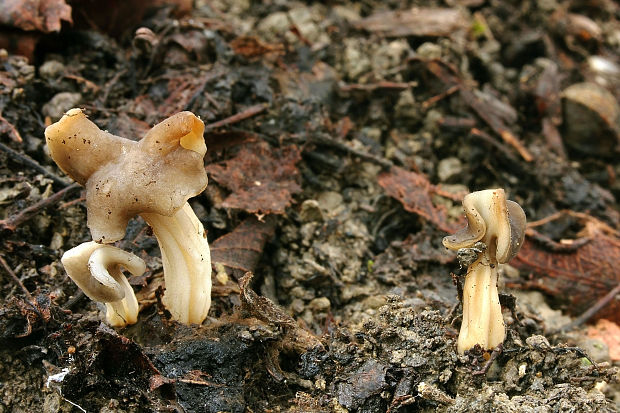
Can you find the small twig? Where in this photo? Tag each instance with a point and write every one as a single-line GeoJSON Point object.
{"type": "Point", "coordinates": [26, 160]}
{"type": "Point", "coordinates": [485, 368]}
{"type": "Point", "coordinates": [374, 86]}
{"type": "Point", "coordinates": [16, 279]}
{"type": "Point", "coordinates": [592, 310]}
{"type": "Point", "coordinates": [12, 222]}
{"type": "Point", "coordinates": [434, 99]}
{"type": "Point", "coordinates": [321, 140]}
{"type": "Point", "coordinates": [79, 294]}
{"type": "Point", "coordinates": [10, 130]}
{"type": "Point", "coordinates": [238, 117]}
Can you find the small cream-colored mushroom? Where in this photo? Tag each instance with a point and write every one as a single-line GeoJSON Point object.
{"type": "Point", "coordinates": [500, 225]}
{"type": "Point", "coordinates": [154, 178]}
{"type": "Point", "coordinates": [96, 269]}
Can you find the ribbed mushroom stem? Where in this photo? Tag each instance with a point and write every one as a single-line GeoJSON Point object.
{"type": "Point", "coordinates": [187, 264]}
{"type": "Point", "coordinates": [482, 323]}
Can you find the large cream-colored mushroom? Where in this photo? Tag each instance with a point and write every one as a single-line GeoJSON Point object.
{"type": "Point", "coordinates": [495, 232]}
{"type": "Point", "coordinates": [154, 178]}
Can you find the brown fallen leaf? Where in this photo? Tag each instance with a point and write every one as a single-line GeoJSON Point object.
{"type": "Point", "coordinates": [577, 272]}
{"type": "Point", "coordinates": [262, 179]}
{"type": "Point", "coordinates": [43, 15]}
{"type": "Point", "coordinates": [609, 333]}
{"type": "Point", "coordinates": [417, 21]}
{"type": "Point", "coordinates": [240, 250]}
{"type": "Point", "coordinates": [414, 191]}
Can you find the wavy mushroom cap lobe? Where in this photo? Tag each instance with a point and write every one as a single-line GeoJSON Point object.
{"type": "Point", "coordinates": [499, 223]}
{"type": "Point", "coordinates": [124, 178]}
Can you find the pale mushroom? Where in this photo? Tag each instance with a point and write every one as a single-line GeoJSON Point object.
{"type": "Point", "coordinates": [96, 269]}
{"type": "Point", "coordinates": [154, 178]}
{"type": "Point", "coordinates": [495, 231]}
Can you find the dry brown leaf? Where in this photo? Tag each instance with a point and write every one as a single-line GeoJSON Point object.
{"type": "Point", "coordinates": [42, 15]}
{"type": "Point", "coordinates": [414, 191]}
{"type": "Point", "coordinates": [262, 179]}
{"type": "Point", "coordinates": [580, 276]}
{"type": "Point", "coordinates": [609, 333]}
{"type": "Point", "coordinates": [417, 21]}
{"type": "Point", "coordinates": [240, 250]}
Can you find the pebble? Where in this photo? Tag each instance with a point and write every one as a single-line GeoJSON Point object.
{"type": "Point", "coordinates": [273, 26]}
{"type": "Point", "coordinates": [355, 62]}
{"type": "Point", "coordinates": [310, 211]}
{"type": "Point", "coordinates": [591, 119]}
{"type": "Point", "coordinates": [51, 69]}
{"type": "Point", "coordinates": [449, 169]}
{"type": "Point", "coordinates": [320, 304]}
{"type": "Point", "coordinates": [61, 103]}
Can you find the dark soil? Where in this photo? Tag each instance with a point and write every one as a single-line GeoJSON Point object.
{"type": "Point", "coordinates": [321, 110]}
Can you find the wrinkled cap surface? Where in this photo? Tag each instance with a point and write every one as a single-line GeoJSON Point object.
{"type": "Point", "coordinates": [499, 223]}
{"type": "Point", "coordinates": [124, 178]}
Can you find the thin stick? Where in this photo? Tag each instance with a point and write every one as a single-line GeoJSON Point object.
{"type": "Point", "coordinates": [238, 117]}
{"type": "Point", "coordinates": [592, 310]}
{"type": "Point", "coordinates": [16, 279]}
{"type": "Point", "coordinates": [12, 222]}
{"type": "Point", "coordinates": [26, 160]}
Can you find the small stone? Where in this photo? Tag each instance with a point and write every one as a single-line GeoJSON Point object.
{"type": "Point", "coordinates": [310, 211]}
{"type": "Point", "coordinates": [591, 119]}
{"type": "Point", "coordinates": [449, 169]}
{"type": "Point", "coordinates": [57, 241]}
{"type": "Point", "coordinates": [245, 335]}
{"type": "Point", "coordinates": [51, 69]}
{"type": "Point", "coordinates": [398, 356]}
{"type": "Point", "coordinates": [429, 50]}
{"type": "Point", "coordinates": [297, 305]}
{"type": "Point", "coordinates": [330, 202]}
{"type": "Point", "coordinates": [61, 103]}
{"type": "Point", "coordinates": [538, 342]}
{"type": "Point", "coordinates": [355, 61]}
{"type": "Point", "coordinates": [320, 304]}
{"type": "Point", "coordinates": [375, 301]}
{"type": "Point", "coordinates": [274, 26]}
{"type": "Point", "coordinates": [406, 106]}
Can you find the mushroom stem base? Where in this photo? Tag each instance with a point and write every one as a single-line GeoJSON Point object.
{"type": "Point", "coordinates": [187, 264]}
{"type": "Point", "coordinates": [483, 322]}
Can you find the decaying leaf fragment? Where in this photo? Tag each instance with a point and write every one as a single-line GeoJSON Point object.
{"type": "Point", "coordinates": [579, 276]}
{"type": "Point", "coordinates": [262, 179]}
{"type": "Point", "coordinates": [414, 191]}
{"type": "Point", "coordinates": [240, 250]}
{"type": "Point", "coordinates": [417, 21]}
{"type": "Point", "coordinates": [296, 339]}
{"type": "Point", "coordinates": [42, 15]}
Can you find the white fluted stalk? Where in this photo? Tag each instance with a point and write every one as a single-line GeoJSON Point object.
{"type": "Point", "coordinates": [187, 264]}
{"type": "Point", "coordinates": [483, 322]}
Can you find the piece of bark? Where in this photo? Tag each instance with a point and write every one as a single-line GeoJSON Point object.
{"type": "Point", "coordinates": [417, 21]}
